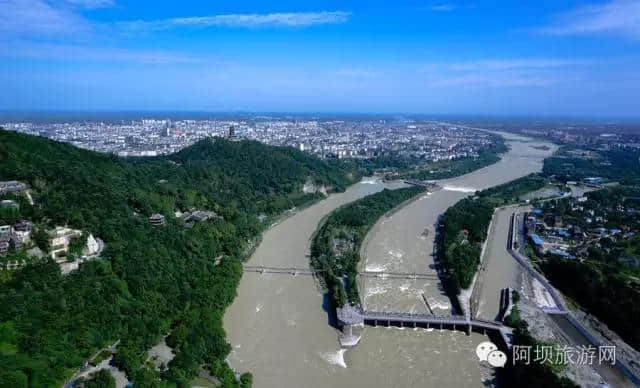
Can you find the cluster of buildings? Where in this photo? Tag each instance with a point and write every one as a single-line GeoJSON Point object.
{"type": "Point", "coordinates": [60, 239]}
{"type": "Point", "coordinates": [12, 187]}
{"type": "Point", "coordinates": [364, 138]}
{"type": "Point", "coordinates": [18, 237]}
{"type": "Point", "coordinates": [569, 229]}
{"type": "Point", "coordinates": [189, 218]}
{"type": "Point", "coordinates": [192, 216]}
{"type": "Point", "coordinates": [592, 136]}
{"type": "Point", "coordinates": [19, 234]}
{"type": "Point", "coordinates": [15, 236]}
{"type": "Point", "coordinates": [550, 236]}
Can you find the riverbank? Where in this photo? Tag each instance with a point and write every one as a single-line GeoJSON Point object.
{"type": "Point", "coordinates": [335, 247]}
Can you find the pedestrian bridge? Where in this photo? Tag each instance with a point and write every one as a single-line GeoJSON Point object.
{"type": "Point", "coordinates": [368, 274]}
{"type": "Point", "coordinates": [278, 270]}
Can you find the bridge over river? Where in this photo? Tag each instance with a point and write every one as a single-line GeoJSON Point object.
{"type": "Point", "coordinates": [351, 316]}
{"type": "Point", "coordinates": [368, 274]}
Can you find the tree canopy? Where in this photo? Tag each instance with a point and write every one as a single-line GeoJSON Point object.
{"type": "Point", "coordinates": [151, 280]}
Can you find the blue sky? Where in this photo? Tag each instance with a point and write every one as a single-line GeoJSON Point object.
{"type": "Point", "coordinates": [549, 57]}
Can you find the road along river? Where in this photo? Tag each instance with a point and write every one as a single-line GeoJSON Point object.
{"type": "Point", "coordinates": [280, 332]}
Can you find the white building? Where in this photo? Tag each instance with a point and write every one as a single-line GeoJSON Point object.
{"type": "Point", "coordinates": [60, 238]}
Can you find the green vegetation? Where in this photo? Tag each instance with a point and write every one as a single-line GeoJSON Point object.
{"type": "Point", "coordinates": [76, 245]}
{"type": "Point", "coordinates": [602, 290]}
{"type": "Point", "coordinates": [101, 356]}
{"type": "Point", "coordinates": [465, 227]}
{"type": "Point", "coordinates": [513, 319]}
{"type": "Point", "coordinates": [453, 168]}
{"type": "Point", "coordinates": [152, 280]}
{"type": "Point", "coordinates": [335, 249]}
{"type": "Point", "coordinates": [570, 164]}
{"type": "Point", "coordinates": [463, 232]}
{"type": "Point", "coordinates": [411, 167]}
{"type": "Point", "coordinates": [535, 374]}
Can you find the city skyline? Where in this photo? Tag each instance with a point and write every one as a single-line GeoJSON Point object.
{"type": "Point", "coordinates": [487, 58]}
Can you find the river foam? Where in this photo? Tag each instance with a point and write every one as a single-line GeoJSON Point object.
{"type": "Point", "coordinates": [369, 181]}
{"type": "Point", "coordinates": [459, 189]}
{"type": "Point", "coordinates": [335, 358]}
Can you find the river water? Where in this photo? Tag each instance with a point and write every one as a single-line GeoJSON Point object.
{"type": "Point", "coordinates": [404, 242]}
{"type": "Point", "coordinates": [279, 329]}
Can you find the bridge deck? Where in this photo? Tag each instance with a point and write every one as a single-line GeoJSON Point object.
{"type": "Point", "coordinates": [353, 315]}
{"type": "Point", "coordinates": [367, 274]}
{"type": "Point", "coordinates": [291, 270]}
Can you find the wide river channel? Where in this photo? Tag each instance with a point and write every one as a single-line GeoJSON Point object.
{"type": "Point", "coordinates": [279, 328]}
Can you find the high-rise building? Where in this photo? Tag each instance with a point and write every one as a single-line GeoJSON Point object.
{"type": "Point", "coordinates": [232, 132]}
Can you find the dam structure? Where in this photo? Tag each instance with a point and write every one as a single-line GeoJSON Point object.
{"type": "Point", "coordinates": [353, 318]}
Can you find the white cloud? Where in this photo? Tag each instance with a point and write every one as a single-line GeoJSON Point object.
{"type": "Point", "coordinates": [518, 63]}
{"type": "Point", "coordinates": [290, 19]}
{"type": "Point", "coordinates": [91, 3]}
{"type": "Point", "coordinates": [38, 18]}
{"type": "Point", "coordinates": [494, 80]}
{"type": "Point", "coordinates": [442, 8]}
{"type": "Point", "coordinates": [616, 17]}
{"type": "Point", "coordinates": [507, 72]}
{"type": "Point", "coordinates": [356, 72]}
{"type": "Point", "coordinates": [69, 52]}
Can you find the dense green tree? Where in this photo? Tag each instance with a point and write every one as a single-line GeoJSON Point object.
{"type": "Point", "coordinates": [465, 226]}
{"type": "Point", "coordinates": [616, 165]}
{"type": "Point", "coordinates": [151, 280]}
{"type": "Point", "coordinates": [602, 290]}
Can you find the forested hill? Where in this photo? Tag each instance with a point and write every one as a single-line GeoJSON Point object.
{"type": "Point", "coordinates": [151, 280]}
